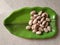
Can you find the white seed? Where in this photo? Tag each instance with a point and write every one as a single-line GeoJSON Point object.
{"type": "Point", "coordinates": [45, 30]}
{"type": "Point", "coordinates": [41, 25]}
{"type": "Point", "coordinates": [40, 29]}
{"type": "Point", "coordinates": [35, 15]}
{"type": "Point", "coordinates": [47, 19]}
{"type": "Point", "coordinates": [38, 17]}
{"type": "Point", "coordinates": [39, 13]}
{"type": "Point", "coordinates": [43, 22]}
{"type": "Point", "coordinates": [32, 12]}
{"type": "Point", "coordinates": [34, 21]}
{"type": "Point", "coordinates": [28, 27]}
{"type": "Point", "coordinates": [38, 32]}
{"type": "Point", "coordinates": [46, 24]}
{"type": "Point", "coordinates": [49, 28]}
{"type": "Point", "coordinates": [32, 27]}
{"type": "Point", "coordinates": [42, 19]}
{"type": "Point", "coordinates": [31, 17]}
{"type": "Point", "coordinates": [39, 22]}
{"type": "Point", "coordinates": [33, 31]}
{"type": "Point", "coordinates": [30, 22]}
{"type": "Point", "coordinates": [43, 14]}
{"type": "Point", "coordinates": [35, 26]}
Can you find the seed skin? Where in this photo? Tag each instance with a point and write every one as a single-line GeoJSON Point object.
{"type": "Point", "coordinates": [33, 31]}
{"type": "Point", "coordinates": [39, 22]}
{"type": "Point", "coordinates": [43, 15]}
{"type": "Point", "coordinates": [38, 32]}
{"type": "Point", "coordinates": [38, 17]}
{"type": "Point", "coordinates": [49, 28]}
{"type": "Point", "coordinates": [32, 27]}
{"type": "Point", "coordinates": [42, 19]}
{"type": "Point", "coordinates": [32, 12]}
{"type": "Point", "coordinates": [35, 15]}
{"type": "Point", "coordinates": [28, 27]}
{"type": "Point", "coordinates": [35, 21]}
{"type": "Point", "coordinates": [47, 19]}
{"type": "Point", "coordinates": [40, 29]}
{"type": "Point", "coordinates": [45, 30]}
{"type": "Point", "coordinates": [46, 15]}
{"type": "Point", "coordinates": [35, 26]}
{"type": "Point", "coordinates": [41, 25]}
{"type": "Point", "coordinates": [44, 22]}
{"type": "Point", "coordinates": [30, 22]}
{"type": "Point", "coordinates": [39, 13]}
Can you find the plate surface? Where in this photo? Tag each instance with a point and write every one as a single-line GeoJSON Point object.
{"type": "Point", "coordinates": [18, 20]}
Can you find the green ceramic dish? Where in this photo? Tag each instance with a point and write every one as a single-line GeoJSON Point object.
{"type": "Point", "coordinates": [18, 20]}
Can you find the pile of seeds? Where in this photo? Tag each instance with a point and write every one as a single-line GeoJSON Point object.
{"type": "Point", "coordinates": [39, 22]}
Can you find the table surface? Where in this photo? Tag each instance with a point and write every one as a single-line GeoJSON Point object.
{"type": "Point", "coordinates": [8, 6]}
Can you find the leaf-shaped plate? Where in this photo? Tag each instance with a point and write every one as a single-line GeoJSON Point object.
{"type": "Point", "coordinates": [18, 20]}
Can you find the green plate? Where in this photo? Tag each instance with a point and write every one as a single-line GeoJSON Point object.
{"type": "Point", "coordinates": [18, 20]}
